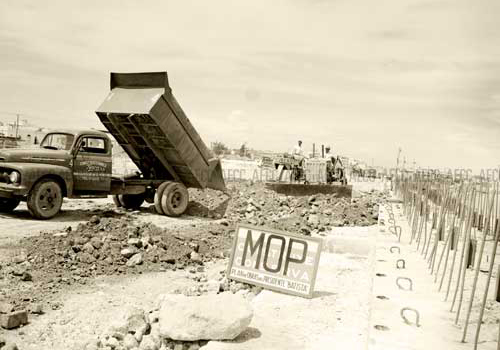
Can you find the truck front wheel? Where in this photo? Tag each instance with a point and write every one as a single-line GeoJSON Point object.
{"type": "Point", "coordinates": [7, 205]}
{"type": "Point", "coordinates": [45, 199]}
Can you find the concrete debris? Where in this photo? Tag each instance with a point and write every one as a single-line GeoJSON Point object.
{"type": "Point", "coordinates": [13, 319]}
{"type": "Point", "coordinates": [203, 318]}
{"type": "Point", "coordinates": [136, 259]}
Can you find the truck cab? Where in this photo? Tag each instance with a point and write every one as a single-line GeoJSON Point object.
{"type": "Point", "coordinates": [67, 164]}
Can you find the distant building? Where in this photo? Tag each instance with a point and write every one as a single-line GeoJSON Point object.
{"type": "Point", "coordinates": [26, 132]}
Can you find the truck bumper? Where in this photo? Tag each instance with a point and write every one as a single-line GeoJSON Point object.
{"type": "Point", "coordinates": [11, 191]}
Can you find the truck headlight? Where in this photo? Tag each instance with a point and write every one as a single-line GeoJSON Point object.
{"type": "Point", "coordinates": [15, 177]}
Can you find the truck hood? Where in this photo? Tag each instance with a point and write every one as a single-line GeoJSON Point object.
{"type": "Point", "coordinates": [37, 155]}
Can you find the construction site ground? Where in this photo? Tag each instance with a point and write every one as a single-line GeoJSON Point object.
{"type": "Point", "coordinates": [79, 300]}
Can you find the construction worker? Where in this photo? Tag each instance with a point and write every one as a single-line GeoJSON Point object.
{"type": "Point", "coordinates": [298, 154]}
{"type": "Point", "coordinates": [330, 168]}
{"type": "Point", "coordinates": [298, 151]}
{"type": "Point", "coordinates": [328, 153]}
{"type": "Point", "coordinates": [335, 168]}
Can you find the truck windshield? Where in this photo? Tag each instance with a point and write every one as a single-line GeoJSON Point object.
{"type": "Point", "coordinates": [57, 141]}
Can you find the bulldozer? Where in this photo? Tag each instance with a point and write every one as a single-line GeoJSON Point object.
{"type": "Point", "coordinates": [309, 176]}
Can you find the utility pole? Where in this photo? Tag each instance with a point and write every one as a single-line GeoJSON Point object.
{"type": "Point", "coordinates": [397, 161]}
{"type": "Point", "coordinates": [17, 125]}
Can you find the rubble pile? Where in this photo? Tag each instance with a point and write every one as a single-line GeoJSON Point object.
{"type": "Point", "coordinates": [105, 246]}
{"type": "Point", "coordinates": [117, 243]}
{"type": "Point", "coordinates": [256, 205]}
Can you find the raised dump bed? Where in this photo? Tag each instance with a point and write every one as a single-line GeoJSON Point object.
{"type": "Point", "coordinates": [144, 117]}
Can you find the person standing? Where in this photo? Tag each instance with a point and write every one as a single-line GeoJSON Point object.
{"type": "Point", "coordinates": [298, 154]}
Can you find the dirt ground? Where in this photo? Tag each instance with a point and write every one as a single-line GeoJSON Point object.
{"type": "Point", "coordinates": [81, 288]}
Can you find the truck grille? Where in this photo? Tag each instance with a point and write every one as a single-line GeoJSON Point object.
{"type": "Point", "coordinates": [4, 175]}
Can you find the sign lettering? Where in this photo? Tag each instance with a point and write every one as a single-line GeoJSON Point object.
{"type": "Point", "coordinates": [275, 260]}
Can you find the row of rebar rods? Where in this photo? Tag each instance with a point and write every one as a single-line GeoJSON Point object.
{"type": "Point", "coordinates": [444, 211]}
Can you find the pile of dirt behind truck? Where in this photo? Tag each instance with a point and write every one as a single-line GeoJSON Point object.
{"type": "Point", "coordinates": [144, 117]}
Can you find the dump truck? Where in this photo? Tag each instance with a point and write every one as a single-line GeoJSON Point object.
{"type": "Point", "coordinates": [144, 117]}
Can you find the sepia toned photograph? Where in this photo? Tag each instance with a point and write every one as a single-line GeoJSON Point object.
{"type": "Point", "coordinates": [239, 175]}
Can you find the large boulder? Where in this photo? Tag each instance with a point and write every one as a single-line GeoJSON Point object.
{"type": "Point", "coordinates": [208, 317]}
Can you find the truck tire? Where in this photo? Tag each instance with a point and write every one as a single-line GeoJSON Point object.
{"type": "Point", "coordinates": [45, 199]}
{"type": "Point", "coordinates": [131, 201]}
{"type": "Point", "coordinates": [159, 195]}
{"type": "Point", "coordinates": [175, 199]}
{"type": "Point", "coordinates": [117, 202]}
{"type": "Point", "coordinates": [7, 205]}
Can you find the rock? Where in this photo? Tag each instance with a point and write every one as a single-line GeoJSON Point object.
{"type": "Point", "coordinates": [129, 342]}
{"type": "Point", "coordinates": [138, 336]}
{"type": "Point", "coordinates": [305, 230]}
{"type": "Point", "coordinates": [26, 277]}
{"type": "Point", "coordinates": [236, 287]}
{"type": "Point", "coordinates": [36, 309]}
{"type": "Point", "coordinates": [167, 259]}
{"type": "Point", "coordinates": [313, 219]}
{"type": "Point", "coordinates": [178, 346]}
{"type": "Point", "coordinates": [128, 252]}
{"type": "Point", "coordinates": [148, 343]}
{"type": "Point", "coordinates": [136, 259]}
{"type": "Point", "coordinates": [88, 248]}
{"type": "Point", "coordinates": [145, 241]}
{"type": "Point", "coordinates": [86, 258]}
{"type": "Point", "coordinates": [202, 318]}
{"type": "Point", "coordinates": [118, 335]}
{"type": "Point", "coordinates": [112, 342]}
{"type": "Point", "coordinates": [95, 220]}
{"type": "Point", "coordinates": [13, 319]}
{"type": "Point", "coordinates": [155, 334]}
{"type": "Point", "coordinates": [154, 316]}
{"type": "Point", "coordinates": [18, 271]}
{"type": "Point", "coordinates": [5, 308]}
{"type": "Point", "coordinates": [2, 342]}
{"type": "Point", "coordinates": [131, 321]}
{"type": "Point", "coordinates": [195, 256]}
{"type": "Point", "coordinates": [10, 346]}
{"type": "Point", "coordinates": [136, 242]}
{"type": "Point", "coordinates": [96, 242]}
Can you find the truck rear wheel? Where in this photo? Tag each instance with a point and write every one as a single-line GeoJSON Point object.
{"type": "Point", "coordinates": [45, 199]}
{"type": "Point", "coordinates": [175, 199]}
{"type": "Point", "coordinates": [7, 205]}
{"type": "Point", "coordinates": [159, 195]}
{"type": "Point", "coordinates": [131, 201]}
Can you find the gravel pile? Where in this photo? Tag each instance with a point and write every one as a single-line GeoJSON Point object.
{"type": "Point", "coordinates": [104, 246]}
{"type": "Point", "coordinates": [115, 244]}
{"type": "Point", "coordinates": [256, 205]}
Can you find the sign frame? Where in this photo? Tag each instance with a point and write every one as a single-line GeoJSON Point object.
{"type": "Point", "coordinates": [283, 233]}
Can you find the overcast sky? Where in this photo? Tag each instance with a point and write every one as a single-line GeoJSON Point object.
{"type": "Point", "coordinates": [366, 77]}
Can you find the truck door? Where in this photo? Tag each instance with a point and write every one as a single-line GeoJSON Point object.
{"type": "Point", "coordinates": [92, 165]}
